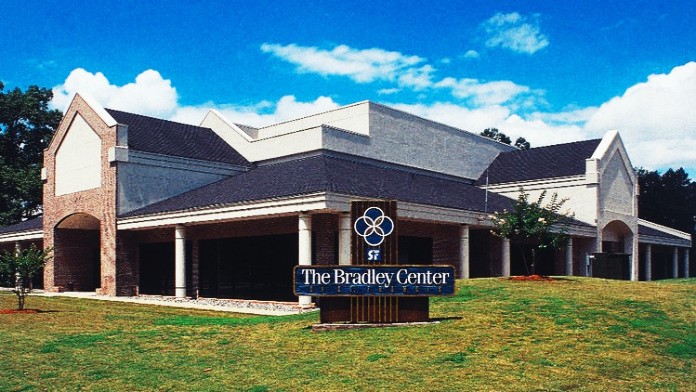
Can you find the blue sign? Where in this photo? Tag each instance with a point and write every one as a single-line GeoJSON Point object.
{"type": "Point", "coordinates": [393, 280]}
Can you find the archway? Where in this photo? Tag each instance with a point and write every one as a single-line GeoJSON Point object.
{"type": "Point", "coordinates": [617, 237]}
{"type": "Point", "coordinates": [77, 253]}
{"type": "Point", "coordinates": [614, 262]}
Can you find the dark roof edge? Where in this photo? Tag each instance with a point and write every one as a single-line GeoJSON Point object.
{"type": "Point", "coordinates": [202, 161]}
{"type": "Point", "coordinates": [29, 225]}
{"type": "Point", "coordinates": [364, 160]}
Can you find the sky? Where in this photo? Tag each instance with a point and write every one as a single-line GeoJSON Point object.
{"type": "Point", "coordinates": [549, 71]}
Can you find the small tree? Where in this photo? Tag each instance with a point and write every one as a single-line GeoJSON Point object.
{"type": "Point", "coordinates": [544, 225]}
{"type": "Point", "coordinates": [522, 143]}
{"type": "Point", "coordinates": [17, 269]}
{"type": "Point", "coordinates": [495, 134]}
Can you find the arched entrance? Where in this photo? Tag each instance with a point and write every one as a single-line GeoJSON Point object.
{"type": "Point", "coordinates": [617, 237]}
{"type": "Point", "coordinates": [614, 262]}
{"type": "Point", "coordinates": [77, 253]}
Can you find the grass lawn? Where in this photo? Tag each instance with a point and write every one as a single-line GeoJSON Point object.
{"type": "Point", "coordinates": [496, 334]}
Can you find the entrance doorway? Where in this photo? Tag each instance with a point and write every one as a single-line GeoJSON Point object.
{"type": "Point", "coordinates": [77, 255]}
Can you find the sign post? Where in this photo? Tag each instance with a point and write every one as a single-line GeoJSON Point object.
{"type": "Point", "coordinates": [374, 288]}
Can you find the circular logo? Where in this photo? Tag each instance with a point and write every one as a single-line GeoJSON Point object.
{"type": "Point", "coordinates": [373, 226]}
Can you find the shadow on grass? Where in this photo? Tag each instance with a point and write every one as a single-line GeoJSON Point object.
{"type": "Point", "coordinates": [438, 319]}
{"type": "Point", "coordinates": [26, 311]}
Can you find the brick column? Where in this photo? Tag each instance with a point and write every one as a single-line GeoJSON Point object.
{"type": "Point", "coordinates": [505, 257]}
{"type": "Point", "coordinates": [464, 251]}
{"type": "Point", "coordinates": [648, 262]}
{"type": "Point", "coordinates": [304, 256]}
{"type": "Point", "coordinates": [180, 261]}
{"type": "Point", "coordinates": [345, 228]}
{"type": "Point", "coordinates": [569, 257]}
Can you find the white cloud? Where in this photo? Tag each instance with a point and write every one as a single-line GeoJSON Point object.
{"type": "Point", "coordinates": [361, 65]}
{"type": "Point", "coordinates": [483, 93]}
{"type": "Point", "coordinates": [388, 91]}
{"type": "Point", "coordinates": [515, 32]}
{"type": "Point", "coordinates": [536, 131]}
{"type": "Point", "coordinates": [471, 54]}
{"type": "Point", "coordinates": [150, 94]}
{"type": "Point", "coordinates": [257, 115]}
{"type": "Point", "coordinates": [656, 118]}
{"type": "Point", "coordinates": [417, 78]}
{"type": "Point", "coordinates": [576, 116]}
{"type": "Point", "coordinates": [472, 120]}
{"type": "Point", "coordinates": [405, 72]}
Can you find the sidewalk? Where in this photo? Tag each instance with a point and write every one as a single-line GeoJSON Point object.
{"type": "Point", "coordinates": [265, 308]}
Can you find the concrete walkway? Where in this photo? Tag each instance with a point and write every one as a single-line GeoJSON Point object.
{"type": "Point", "coordinates": [265, 308]}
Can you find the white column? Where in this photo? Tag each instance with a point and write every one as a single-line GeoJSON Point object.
{"type": "Point", "coordinates": [180, 261]}
{"type": "Point", "coordinates": [464, 251]}
{"type": "Point", "coordinates": [686, 262]}
{"type": "Point", "coordinates": [635, 258]}
{"type": "Point", "coordinates": [569, 257]}
{"type": "Point", "coordinates": [17, 247]}
{"type": "Point", "coordinates": [505, 256]}
{"type": "Point", "coordinates": [344, 231]}
{"type": "Point", "coordinates": [304, 256]}
{"type": "Point", "coordinates": [675, 263]}
{"type": "Point", "coordinates": [648, 262]}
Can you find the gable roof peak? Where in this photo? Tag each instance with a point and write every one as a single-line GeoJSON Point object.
{"type": "Point", "coordinates": [98, 109]}
{"type": "Point", "coordinates": [606, 143]}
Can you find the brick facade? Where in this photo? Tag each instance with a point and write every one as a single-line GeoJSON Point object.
{"type": "Point", "coordinates": [325, 238]}
{"type": "Point", "coordinates": [99, 203]}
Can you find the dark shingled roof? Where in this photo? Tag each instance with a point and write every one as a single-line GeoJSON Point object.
{"type": "Point", "coordinates": [325, 173]}
{"type": "Point", "coordinates": [27, 225]}
{"type": "Point", "coordinates": [561, 160]}
{"type": "Point", "coordinates": [157, 136]}
{"type": "Point", "coordinates": [649, 231]}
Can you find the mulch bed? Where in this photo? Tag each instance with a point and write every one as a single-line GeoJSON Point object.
{"type": "Point", "coordinates": [15, 311]}
{"type": "Point", "coordinates": [532, 278]}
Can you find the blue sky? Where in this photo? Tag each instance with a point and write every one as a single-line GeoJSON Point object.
{"type": "Point", "coordinates": [550, 71]}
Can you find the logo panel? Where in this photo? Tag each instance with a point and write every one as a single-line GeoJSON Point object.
{"type": "Point", "coordinates": [373, 226]}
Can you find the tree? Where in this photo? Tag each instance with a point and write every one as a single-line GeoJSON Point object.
{"type": "Point", "coordinates": [522, 143]}
{"type": "Point", "coordinates": [544, 225]}
{"type": "Point", "coordinates": [26, 127]}
{"type": "Point", "coordinates": [17, 269]}
{"type": "Point", "coordinates": [495, 134]}
{"type": "Point", "coordinates": [668, 199]}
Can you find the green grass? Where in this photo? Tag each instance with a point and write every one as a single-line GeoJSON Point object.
{"type": "Point", "coordinates": [495, 334]}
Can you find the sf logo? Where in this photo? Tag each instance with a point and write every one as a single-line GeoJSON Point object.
{"type": "Point", "coordinates": [374, 255]}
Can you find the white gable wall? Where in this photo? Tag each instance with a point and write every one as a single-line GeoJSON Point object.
{"type": "Point", "coordinates": [618, 194]}
{"type": "Point", "coordinates": [78, 160]}
{"type": "Point", "coordinates": [353, 118]}
{"type": "Point", "coordinates": [580, 193]}
{"type": "Point", "coordinates": [367, 130]}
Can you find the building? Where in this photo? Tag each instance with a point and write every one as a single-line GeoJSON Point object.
{"type": "Point", "coordinates": [134, 204]}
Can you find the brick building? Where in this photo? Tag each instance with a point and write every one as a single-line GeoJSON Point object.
{"type": "Point", "coordinates": [134, 204]}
